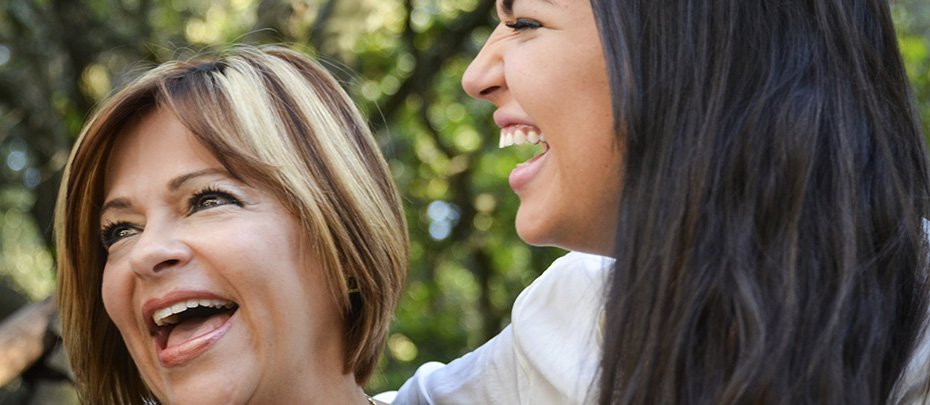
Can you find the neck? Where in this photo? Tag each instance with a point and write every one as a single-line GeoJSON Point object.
{"type": "Point", "coordinates": [338, 390]}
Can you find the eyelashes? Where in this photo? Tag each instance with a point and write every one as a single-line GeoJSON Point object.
{"type": "Point", "coordinates": [521, 24]}
{"type": "Point", "coordinates": [207, 198]}
{"type": "Point", "coordinates": [112, 232]}
{"type": "Point", "coordinates": [210, 197]}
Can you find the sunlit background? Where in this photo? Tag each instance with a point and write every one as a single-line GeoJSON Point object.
{"type": "Point", "coordinates": [401, 60]}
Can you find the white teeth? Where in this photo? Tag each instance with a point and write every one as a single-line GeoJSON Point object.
{"type": "Point", "coordinates": [169, 315]}
{"type": "Point", "coordinates": [519, 135]}
{"type": "Point", "coordinates": [533, 137]}
{"type": "Point", "coordinates": [178, 308]}
{"type": "Point", "coordinates": [172, 319]}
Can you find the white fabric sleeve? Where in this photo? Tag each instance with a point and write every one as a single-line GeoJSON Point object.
{"type": "Point", "coordinates": [910, 388]}
{"type": "Point", "coordinates": [548, 355]}
{"type": "Point", "coordinates": [475, 378]}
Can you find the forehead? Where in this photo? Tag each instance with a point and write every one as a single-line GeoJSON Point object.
{"type": "Point", "coordinates": [155, 145]}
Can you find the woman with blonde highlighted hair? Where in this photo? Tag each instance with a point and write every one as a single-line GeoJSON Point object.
{"type": "Point", "coordinates": [228, 232]}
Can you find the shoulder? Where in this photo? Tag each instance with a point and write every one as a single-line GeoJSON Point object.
{"type": "Point", "coordinates": [556, 325]}
{"type": "Point", "coordinates": [548, 355]}
{"type": "Point", "coordinates": [571, 279]}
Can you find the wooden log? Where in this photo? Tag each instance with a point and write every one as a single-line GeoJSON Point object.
{"type": "Point", "coordinates": [22, 338]}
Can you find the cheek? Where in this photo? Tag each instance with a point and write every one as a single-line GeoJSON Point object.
{"type": "Point", "coordinates": [534, 74]}
{"type": "Point", "coordinates": [265, 263]}
{"type": "Point", "coordinates": [116, 292]}
{"type": "Point", "coordinates": [573, 88]}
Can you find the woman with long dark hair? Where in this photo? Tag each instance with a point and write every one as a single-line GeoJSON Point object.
{"type": "Point", "coordinates": [769, 243]}
{"type": "Point", "coordinates": [757, 175]}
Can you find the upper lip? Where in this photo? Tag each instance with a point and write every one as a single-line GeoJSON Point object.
{"type": "Point", "coordinates": [504, 119]}
{"type": "Point", "coordinates": [154, 304]}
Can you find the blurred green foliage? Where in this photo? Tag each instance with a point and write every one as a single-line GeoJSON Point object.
{"type": "Point", "coordinates": [402, 60]}
{"type": "Point", "coordinates": [912, 18]}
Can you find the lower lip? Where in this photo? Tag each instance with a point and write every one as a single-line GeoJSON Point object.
{"type": "Point", "coordinates": [180, 354]}
{"type": "Point", "coordinates": [523, 174]}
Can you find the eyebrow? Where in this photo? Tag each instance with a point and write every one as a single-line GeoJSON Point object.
{"type": "Point", "coordinates": [119, 203]}
{"type": "Point", "coordinates": [179, 181]}
{"type": "Point", "coordinates": [507, 6]}
{"type": "Point", "coordinates": [173, 185]}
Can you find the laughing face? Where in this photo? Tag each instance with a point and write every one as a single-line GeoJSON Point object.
{"type": "Point", "coordinates": [209, 280]}
{"type": "Point", "coordinates": [544, 70]}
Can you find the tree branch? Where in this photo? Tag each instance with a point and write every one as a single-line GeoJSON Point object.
{"type": "Point", "coordinates": [23, 338]}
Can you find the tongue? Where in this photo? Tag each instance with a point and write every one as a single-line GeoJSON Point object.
{"type": "Point", "coordinates": [196, 327]}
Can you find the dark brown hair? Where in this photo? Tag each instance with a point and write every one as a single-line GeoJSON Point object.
{"type": "Point", "coordinates": [770, 245]}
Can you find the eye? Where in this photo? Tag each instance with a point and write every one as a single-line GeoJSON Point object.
{"type": "Point", "coordinates": [521, 24]}
{"type": "Point", "coordinates": [211, 198]}
{"type": "Point", "coordinates": [114, 232]}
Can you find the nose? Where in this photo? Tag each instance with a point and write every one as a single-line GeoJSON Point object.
{"type": "Point", "coordinates": [158, 250]}
{"type": "Point", "coordinates": [484, 79]}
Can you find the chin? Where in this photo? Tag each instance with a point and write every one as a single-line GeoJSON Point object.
{"type": "Point", "coordinates": [218, 385]}
{"type": "Point", "coordinates": [535, 231]}
{"type": "Point", "coordinates": [532, 239]}
{"type": "Point", "coordinates": [204, 393]}
{"type": "Point", "coordinates": [543, 231]}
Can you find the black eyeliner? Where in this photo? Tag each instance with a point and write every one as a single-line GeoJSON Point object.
{"type": "Point", "coordinates": [106, 233]}
{"type": "Point", "coordinates": [523, 23]}
{"type": "Point", "coordinates": [197, 197]}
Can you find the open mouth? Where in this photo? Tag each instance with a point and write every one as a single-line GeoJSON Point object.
{"type": "Point", "coordinates": [187, 320]}
{"type": "Point", "coordinates": [522, 134]}
{"type": "Point", "coordinates": [513, 135]}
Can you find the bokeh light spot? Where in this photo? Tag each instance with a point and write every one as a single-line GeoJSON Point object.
{"type": "Point", "coordinates": [31, 178]}
{"type": "Point", "coordinates": [4, 55]}
{"type": "Point", "coordinates": [16, 160]}
{"type": "Point", "coordinates": [402, 348]}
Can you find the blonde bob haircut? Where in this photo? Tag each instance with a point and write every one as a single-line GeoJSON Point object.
{"type": "Point", "coordinates": [274, 119]}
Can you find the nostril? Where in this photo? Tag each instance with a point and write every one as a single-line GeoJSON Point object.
{"type": "Point", "coordinates": [489, 90]}
{"type": "Point", "coordinates": [166, 263]}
